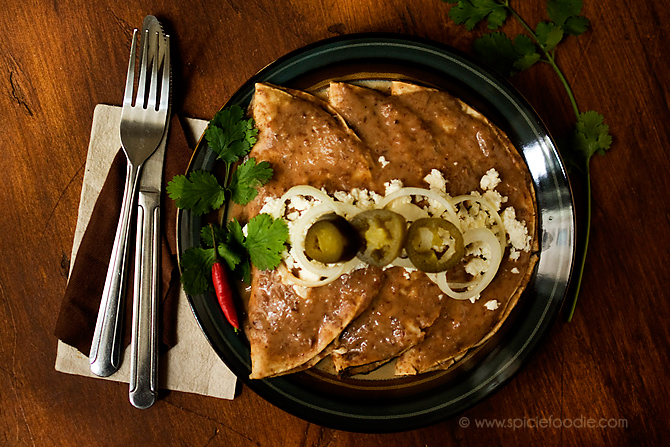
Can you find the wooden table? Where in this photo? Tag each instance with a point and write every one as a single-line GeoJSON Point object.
{"type": "Point", "coordinates": [610, 364]}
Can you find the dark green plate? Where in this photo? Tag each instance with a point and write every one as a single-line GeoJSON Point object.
{"type": "Point", "coordinates": [402, 404]}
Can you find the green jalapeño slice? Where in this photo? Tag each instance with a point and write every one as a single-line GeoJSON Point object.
{"type": "Point", "coordinates": [434, 245]}
{"type": "Point", "coordinates": [381, 234]}
{"type": "Point", "coordinates": [331, 239]}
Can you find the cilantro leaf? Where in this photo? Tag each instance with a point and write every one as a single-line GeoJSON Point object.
{"type": "Point", "coordinates": [229, 254]}
{"type": "Point", "coordinates": [525, 49]}
{"type": "Point", "coordinates": [576, 25]}
{"type": "Point", "coordinates": [230, 135]}
{"type": "Point", "coordinates": [231, 257]}
{"type": "Point", "coordinates": [243, 270]}
{"type": "Point", "coordinates": [504, 55]}
{"type": "Point", "coordinates": [559, 11]}
{"type": "Point", "coordinates": [206, 235]}
{"type": "Point", "coordinates": [566, 15]}
{"type": "Point", "coordinates": [196, 265]}
{"type": "Point", "coordinates": [524, 45]}
{"type": "Point", "coordinates": [497, 50]}
{"type": "Point", "coordinates": [200, 192]}
{"type": "Point", "coordinates": [548, 35]}
{"type": "Point", "coordinates": [526, 61]}
{"type": "Point", "coordinates": [236, 242]}
{"type": "Point", "coordinates": [235, 233]}
{"type": "Point", "coordinates": [591, 135]}
{"type": "Point", "coordinates": [471, 12]}
{"type": "Point", "coordinates": [246, 178]}
{"type": "Point", "coordinates": [264, 240]}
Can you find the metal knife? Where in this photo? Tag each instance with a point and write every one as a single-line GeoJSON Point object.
{"type": "Point", "coordinates": [144, 333]}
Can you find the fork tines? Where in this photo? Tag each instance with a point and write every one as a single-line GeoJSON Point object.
{"type": "Point", "coordinates": [154, 63]}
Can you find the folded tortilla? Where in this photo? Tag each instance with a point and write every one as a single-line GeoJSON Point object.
{"type": "Point", "coordinates": [306, 143]}
{"type": "Point", "coordinates": [471, 145]}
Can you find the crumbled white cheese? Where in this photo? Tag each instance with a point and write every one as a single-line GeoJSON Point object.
{"type": "Point", "coordinates": [490, 180]}
{"type": "Point", "coordinates": [494, 198]}
{"type": "Point", "coordinates": [436, 180]}
{"type": "Point", "coordinates": [392, 186]}
{"type": "Point", "coordinates": [273, 206]}
{"type": "Point", "coordinates": [474, 215]}
{"type": "Point", "coordinates": [301, 204]}
{"type": "Point", "coordinates": [481, 258]}
{"type": "Point", "coordinates": [434, 208]}
{"type": "Point", "coordinates": [515, 270]}
{"type": "Point", "coordinates": [474, 298]}
{"type": "Point", "coordinates": [514, 254]}
{"type": "Point", "coordinates": [517, 232]}
{"type": "Point", "coordinates": [344, 197]}
{"type": "Point", "coordinates": [364, 199]}
{"type": "Point", "coordinates": [383, 161]}
{"type": "Point", "coordinates": [492, 305]}
{"type": "Point", "coordinates": [476, 266]}
{"type": "Point", "coordinates": [293, 265]}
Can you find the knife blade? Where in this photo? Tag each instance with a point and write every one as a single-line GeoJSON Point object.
{"type": "Point", "coordinates": [144, 333]}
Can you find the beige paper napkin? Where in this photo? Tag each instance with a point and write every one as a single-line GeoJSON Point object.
{"type": "Point", "coordinates": [191, 365]}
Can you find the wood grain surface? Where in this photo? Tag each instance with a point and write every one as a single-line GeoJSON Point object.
{"type": "Point", "coordinates": [58, 59]}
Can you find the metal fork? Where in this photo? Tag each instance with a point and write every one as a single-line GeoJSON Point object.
{"type": "Point", "coordinates": [143, 123]}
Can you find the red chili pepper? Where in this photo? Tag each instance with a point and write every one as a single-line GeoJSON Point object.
{"type": "Point", "coordinates": [222, 288]}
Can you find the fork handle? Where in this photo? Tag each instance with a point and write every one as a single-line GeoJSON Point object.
{"type": "Point", "coordinates": [106, 345]}
{"type": "Point", "coordinates": [143, 354]}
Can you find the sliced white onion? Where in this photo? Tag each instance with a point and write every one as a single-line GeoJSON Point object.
{"type": "Point", "coordinates": [347, 210]}
{"type": "Point", "coordinates": [427, 193]}
{"type": "Point", "coordinates": [306, 191]}
{"type": "Point", "coordinates": [290, 277]}
{"type": "Point", "coordinates": [409, 211]}
{"type": "Point", "coordinates": [502, 236]}
{"type": "Point", "coordinates": [476, 286]}
{"type": "Point", "coordinates": [337, 270]}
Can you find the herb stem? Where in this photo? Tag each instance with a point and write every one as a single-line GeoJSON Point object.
{"type": "Point", "coordinates": [582, 263]}
{"type": "Point", "coordinates": [550, 59]}
{"type": "Point", "coordinates": [223, 211]}
{"type": "Point", "coordinates": [565, 83]}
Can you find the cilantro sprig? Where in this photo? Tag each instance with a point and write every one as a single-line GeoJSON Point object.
{"type": "Point", "coordinates": [261, 242]}
{"type": "Point", "coordinates": [510, 56]}
{"type": "Point", "coordinates": [231, 137]}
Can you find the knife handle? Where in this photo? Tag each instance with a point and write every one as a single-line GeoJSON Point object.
{"type": "Point", "coordinates": [144, 335]}
{"type": "Point", "coordinates": [106, 344]}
